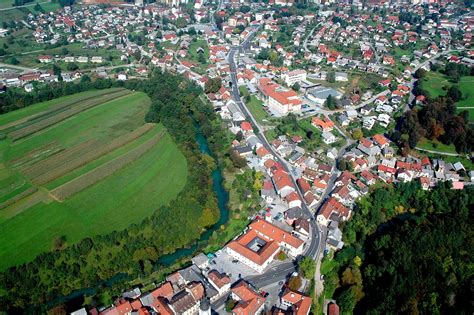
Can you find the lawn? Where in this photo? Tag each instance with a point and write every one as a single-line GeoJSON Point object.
{"type": "Point", "coordinates": [466, 86]}
{"type": "Point", "coordinates": [255, 106]}
{"type": "Point", "coordinates": [435, 145]}
{"type": "Point", "coordinates": [123, 198]}
{"type": "Point", "coordinates": [435, 84]}
{"type": "Point", "coordinates": [470, 110]}
{"type": "Point", "coordinates": [193, 55]}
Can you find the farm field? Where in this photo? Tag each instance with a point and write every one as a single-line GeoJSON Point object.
{"type": "Point", "coordinates": [98, 170]}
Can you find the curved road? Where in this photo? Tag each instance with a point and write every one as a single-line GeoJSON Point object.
{"type": "Point", "coordinates": [281, 271]}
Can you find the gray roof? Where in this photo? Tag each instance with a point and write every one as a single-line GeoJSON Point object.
{"type": "Point", "coordinates": [295, 213]}
{"type": "Point", "coordinates": [200, 259]}
{"type": "Point", "coordinates": [322, 92]}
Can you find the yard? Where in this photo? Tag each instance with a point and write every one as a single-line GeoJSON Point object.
{"type": "Point", "coordinates": [115, 202]}
{"type": "Point", "coordinates": [196, 49]}
{"type": "Point", "coordinates": [255, 106]}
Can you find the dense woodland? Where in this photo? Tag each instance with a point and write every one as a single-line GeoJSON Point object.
{"type": "Point", "coordinates": [407, 251]}
{"type": "Point", "coordinates": [176, 104]}
{"type": "Point", "coordinates": [437, 120]}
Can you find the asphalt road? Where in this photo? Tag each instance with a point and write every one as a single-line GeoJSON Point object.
{"type": "Point", "coordinates": [281, 271]}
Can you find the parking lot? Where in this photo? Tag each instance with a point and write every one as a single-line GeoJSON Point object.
{"type": "Point", "coordinates": [224, 263]}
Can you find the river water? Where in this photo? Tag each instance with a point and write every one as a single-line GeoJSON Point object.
{"type": "Point", "coordinates": [75, 299]}
{"type": "Point", "coordinates": [222, 198]}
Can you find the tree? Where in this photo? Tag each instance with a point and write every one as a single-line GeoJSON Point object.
{"type": "Point", "coordinates": [420, 73]}
{"type": "Point", "coordinates": [358, 134]}
{"type": "Point", "coordinates": [294, 283]}
{"type": "Point", "coordinates": [212, 85]}
{"type": "Point", "coordinates": [281, 256]}
{"type": "Point", "coordinates": [330, 102]}
{"type": "Point", "coordinates": [59, 242]}
{"type": "Point", "coordinates": [331, 77]}
{"type": "Point", "coordinates": [296, 87]}
{"type": "Point", "coordinates": [308, 267]}
{"type": "Point", "coordinates": [72, 66]}
{"type": "Point", "coordinates": [454, 93]}
{"type": "Point", "coordinates": [347, 300]}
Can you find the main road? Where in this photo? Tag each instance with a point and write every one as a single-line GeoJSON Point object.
{"type": "Point", "coordinates": [281, 271]}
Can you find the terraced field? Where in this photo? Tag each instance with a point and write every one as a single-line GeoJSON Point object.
{"type": "Point", "coordinates": [79, 166]}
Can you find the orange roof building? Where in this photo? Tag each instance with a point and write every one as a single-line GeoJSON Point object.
{"type": "Point", "coordinates": [261, 243]}
{"type": "Point", "coordinates": [297, 302]}
{"type": "Point", "coordinates": [249, 301]}
{"type": "Point", "coordinates": [279, 99]}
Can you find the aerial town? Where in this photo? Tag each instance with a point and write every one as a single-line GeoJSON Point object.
{"type": "Point", "coordinates": [312, 99]}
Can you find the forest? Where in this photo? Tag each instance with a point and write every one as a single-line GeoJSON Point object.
{"type": "Point", "coordinates": [135, 250]}
{"type": "Point", "coordinates": [406, 251]}
{"type": "Point", "coordinates": [437, 120]}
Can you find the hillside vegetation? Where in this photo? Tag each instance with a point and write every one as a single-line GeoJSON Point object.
{"type": "Point", "coordinates": [81, 166]}
{"type": "Point", "coordinates": [407, 251]}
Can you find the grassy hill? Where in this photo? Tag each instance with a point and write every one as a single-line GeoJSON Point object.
{"type": "Point", "coordinates": [87, 136]}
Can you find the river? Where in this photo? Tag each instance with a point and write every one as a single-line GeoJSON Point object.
{"type": "Point", "coordinates": [76, 298]}
{"type": "Point", "coordinates": [222, 198]}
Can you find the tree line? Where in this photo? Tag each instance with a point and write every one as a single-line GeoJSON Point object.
{"type": "Point", "coordinates": [437, 120]}
{"type": "Point", "coordinates": [406, 251]}
{"type": "Point", "coordinates": [135, 250]}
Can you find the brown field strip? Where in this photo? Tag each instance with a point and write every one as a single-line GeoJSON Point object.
{"type": "Point", "coordinates": [33, 154]}
{"type": "Point", "coordinates": [46, 165]}
{"type": "Point", "coordinates": [53, 109]}
{"type": "Point", "coordinates": [91, 155]}
{"type": "Point", "coordinates": [18, 197]}
{"type": "Point", "coordinates": [92, 177]}
{"type": "Point", "coordinates": [44, 123]}
{"type": "Point", "coordinates": [40, 195]}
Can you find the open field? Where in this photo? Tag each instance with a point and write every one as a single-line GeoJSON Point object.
{"type": "Point", "coordinates": [90, 173]}
{"type": "Point", "coordinates": [436, 84]}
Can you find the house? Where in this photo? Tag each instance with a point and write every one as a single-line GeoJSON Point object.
{"type": "Point", "coordinates": [296, 302]}
{"type": "Point", "coordinates": [293, 200]}
{"type": "Point", "coordinates": [201, 261]}
{"type": "Point", "coordinates": [292, 77]}
{"type": "Point", "coordinates": [328, 137]}
{"type": "Point", "coordinates": [368, 147]}
{"type": "Point", "coordinates": [220, 281]}
{"type": "Point", "coordinates": [293, 214]}
{"type": "Point", "coordinates": [268, 192]}
{"type": "Point", "coordinates": [279, 99]}
{"type": "Point", "coordinates": [263, 154]}
{"type": "Point", "coordinates": [325, 124]}
{"type": "Point", "coordinates": [45, 59]}
{"type": "Point", "coordinates": [332, 210]}
{"type": "Point", "coordinates": [283, 183]}
{"type": "Point", "coordinates": [248, 300]}
{"type": "Point", "coordinates": [261, 242]}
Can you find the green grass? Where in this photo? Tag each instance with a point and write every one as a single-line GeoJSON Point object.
{"type": "Point", "coordinates": [466, 86]}
{"type": "Point", "coordinates": [36, 108]}
{"type": "Point", "coordinates": [470, 110]}
{"type": "Point", "coordinates": [193, 55]}
{"type": "Point", "coordinates": [104, 122]}
{"type": "Point", "coordinates": [255, 106]}
{"type": "Point", "coordinates": [435, 145]}
{"type": "Point", "coordinates": [435, 84]}
{"type": "Point", "coordinates": [124, 198]}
